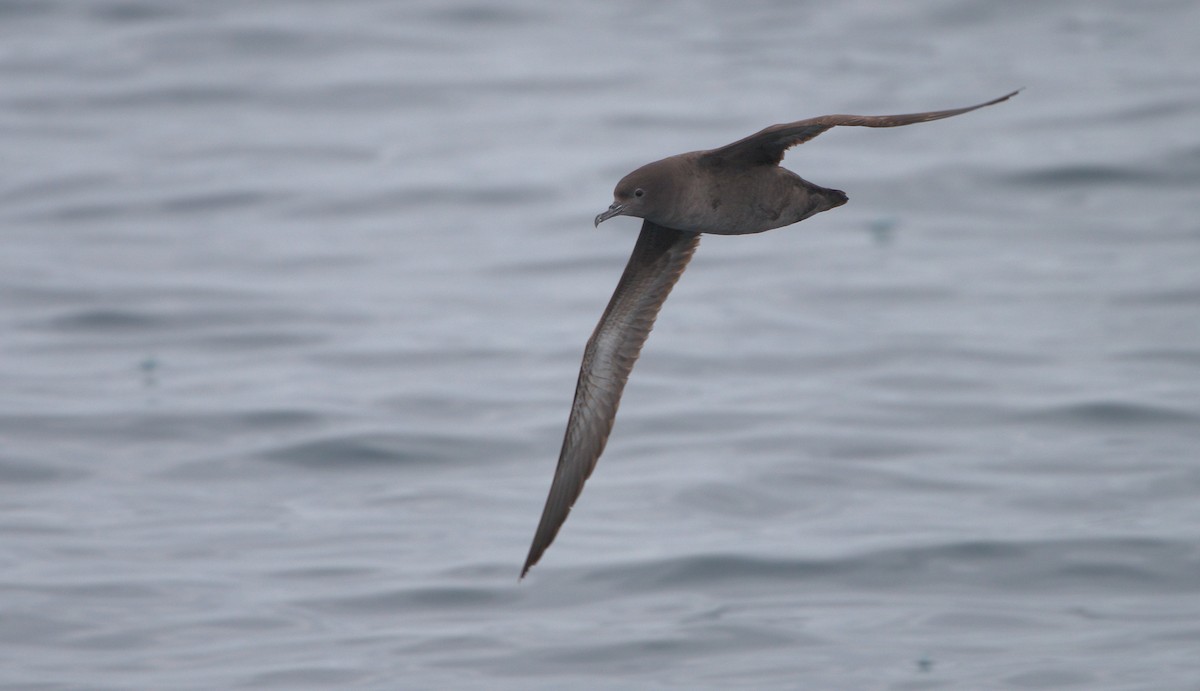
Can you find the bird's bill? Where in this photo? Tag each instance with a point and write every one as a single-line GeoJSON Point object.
{"type": "Point", "coordinates": [614, 210]}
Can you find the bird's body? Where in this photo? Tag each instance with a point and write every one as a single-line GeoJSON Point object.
{"type": "Point", "coordinates": [723, 198]}
{"type": "Point", "coordinates": [736, 189]}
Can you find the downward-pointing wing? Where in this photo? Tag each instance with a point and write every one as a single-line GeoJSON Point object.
{"type": "Point", "coordinates": [658, 259]}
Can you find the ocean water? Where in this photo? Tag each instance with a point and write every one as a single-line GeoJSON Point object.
{"type": "Point", "coordinates": [293, 295]}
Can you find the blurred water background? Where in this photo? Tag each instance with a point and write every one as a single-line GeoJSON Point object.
{"type": "Point", "coordinates": [293, 295]}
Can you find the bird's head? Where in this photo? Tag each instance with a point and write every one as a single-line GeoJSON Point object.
{"type": "Point", "coordinates": [639, 194]}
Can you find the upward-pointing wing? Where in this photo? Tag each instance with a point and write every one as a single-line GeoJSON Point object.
{"type": "Point", "coordinates": [658, 260]}
{"type": "Point", "coordinates": [767, 147]}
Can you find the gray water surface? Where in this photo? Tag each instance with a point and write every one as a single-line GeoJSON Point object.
{"type": "Point", "coordinates": [293, 295]}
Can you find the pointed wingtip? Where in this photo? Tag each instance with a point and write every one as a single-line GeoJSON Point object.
{"type": "Point", "coordinates": [1005, 97]}
{"type": "Point", "coordinates": [534, 556]}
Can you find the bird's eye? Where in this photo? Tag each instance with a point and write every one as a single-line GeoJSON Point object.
{"type": "Point", "coordinates": [638, 192]}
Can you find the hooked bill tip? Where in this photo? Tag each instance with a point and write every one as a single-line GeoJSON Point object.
{"type": "Point", "coordinates": [613, 210]}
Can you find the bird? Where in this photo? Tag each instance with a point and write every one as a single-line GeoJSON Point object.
{"type": "Point", "coordinates": [737, 189]}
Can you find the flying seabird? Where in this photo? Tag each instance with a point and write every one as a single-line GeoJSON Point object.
{"type": "Point", "coordinates": [737, 189]}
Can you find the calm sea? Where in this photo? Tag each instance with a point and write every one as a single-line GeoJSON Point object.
{"type": "Point", "coordinates": [293, 295]}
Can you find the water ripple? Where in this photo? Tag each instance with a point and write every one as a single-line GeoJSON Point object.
{"type": "Point", "coordinates": [1126, 565]}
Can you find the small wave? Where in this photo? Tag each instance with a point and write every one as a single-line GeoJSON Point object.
{"type": "Point", "coordinates": [1130, 564]}
{"type": "Point", "coordinates": [1083, 175]}
{"type": "Point", "coordinates": [1111, 413]}
{"type": "Point", "coordinates": [371, 450]}
{"type": "Point", "coordinates": [1180, 296]}
{"type": "Point", "coordinates": [107, 320]}
{"type": "Point", "coordinates": [1178, 356]}
{"type": "Point", "coordinates": [24, 472]}
{"type": "Point", "coordinates": [396, 602]}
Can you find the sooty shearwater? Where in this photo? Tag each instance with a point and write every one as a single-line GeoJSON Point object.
{"type": "Point", "coordinates": [737, 189]}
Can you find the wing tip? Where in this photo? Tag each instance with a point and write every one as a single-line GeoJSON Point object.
{"type": "Point", "coordinates": [1003, 98]}
{"type": "Point", "coordinates": [543, 537]}
{"type": "Point", "coordinates": [529, 562]}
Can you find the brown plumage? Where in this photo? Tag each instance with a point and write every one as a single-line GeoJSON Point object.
{"type": "Point", "coordinates": [736, 189]}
